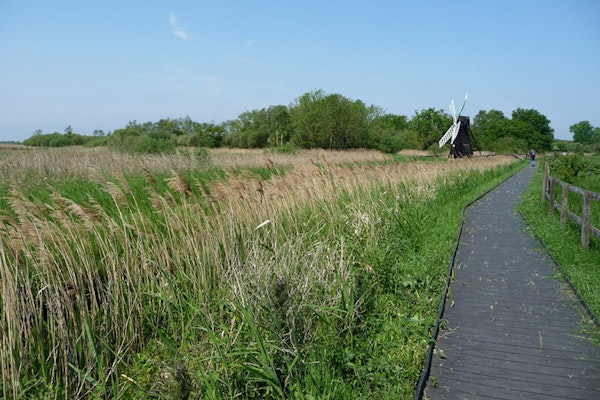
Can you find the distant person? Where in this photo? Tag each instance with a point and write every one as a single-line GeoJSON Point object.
{"type": "Point", "coordinates": [532, 154]}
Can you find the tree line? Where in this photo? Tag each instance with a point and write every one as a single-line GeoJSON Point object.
{"type": "Point", "coordinates": [318, 120]}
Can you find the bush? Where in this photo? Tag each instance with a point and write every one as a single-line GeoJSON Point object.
{"type": "Point", "coordinates": [151, 145]}
{"type": "Point", "coordinates": [201, 140]}
{"type": "Point", "coordinates": [131, 141]}
{"type": "Point", "coordinates": [288, 148]}
{"type": "Point", "coordinates": [389, 144]}
{"type": "Point", "coordinates": [57, 140]}
{"type": "Point", "coordinates": [435, 149]}
{"type": "Point", "coordinates": [568, 168]}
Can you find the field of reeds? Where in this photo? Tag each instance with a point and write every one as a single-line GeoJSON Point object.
{"type": "Point", "coordinates": [225, 275]}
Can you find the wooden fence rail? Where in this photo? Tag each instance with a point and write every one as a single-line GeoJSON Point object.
{"type": "Point", "coordinates": [548, 192]}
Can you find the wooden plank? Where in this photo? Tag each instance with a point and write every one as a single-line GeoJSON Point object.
{"type": "Point", "coordinates": [473, 385]}
{"type": "Point", "coordinates": [576, 189]}
{"type": "Point", "coordinates": [492, 356]}
{"type": "Point", "coordinates": [586, 219]}
{"type": "Point", "coordinates": [564, 204]}
{"type": "Point", "coordinates": [545, 181]}
{"type": "Point", "coordinates": [551, 200]}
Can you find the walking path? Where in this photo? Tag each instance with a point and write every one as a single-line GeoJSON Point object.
{"type": "Point", "coordinates": [513, 328]}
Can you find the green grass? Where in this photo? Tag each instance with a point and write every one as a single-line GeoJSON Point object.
{"type": "Point", "coordinates": [564, 243]}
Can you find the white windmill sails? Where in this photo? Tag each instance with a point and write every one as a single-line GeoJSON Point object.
{"type": "Point", "coordinates": [452, 132]}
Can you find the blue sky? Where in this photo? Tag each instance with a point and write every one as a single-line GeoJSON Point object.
{"type": "Point", "coordinates": [97, 64]}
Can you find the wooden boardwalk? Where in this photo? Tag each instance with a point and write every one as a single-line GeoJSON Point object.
{"type": "Point", "coordinates": [513, 328]}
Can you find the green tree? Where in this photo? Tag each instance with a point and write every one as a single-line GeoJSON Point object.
{"type": "Point", "coordinates": [391, 121]}
{"type": "Point", "coordinates": [513, 136]}
{"type": "Point", "coordinates": [208, 134]}
{"type": "Point", "coordinates": [260, 128]}
{"type": "Point", "coordinates": [429, 125]}
{"type": "Point", "coordinates": [583, 132]}
{"type": "Point", "coordinates": [542, 135]}
{"type": "Point", "coordinates": [348, 122]}
{"type": "Point", "coordinates": [486, 127]}
{"type": "Point", "coordinates": [596, 135]}
{"type": "Point", "coordinates": [187, 126]}
{"type": "Point", "coordinates": [279, 124]}
{"type": "Point", "coordinates": [253, 127]}
{"type": "Point", "coordinates": [331, 121]}
{"type": "Point", "coordinates": [308, 119]}
{"type": "Point", "coordinates": [170, 126]}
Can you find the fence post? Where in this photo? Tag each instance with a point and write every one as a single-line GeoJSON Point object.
{"type": "Point", "coordinates": [545, 181]}
{"type": "Point", "coordinates": [586, 219]}
{"type": "Point", "coordinates": [551, 198]}
{"type": "Point", "coordinates": [564, 203]}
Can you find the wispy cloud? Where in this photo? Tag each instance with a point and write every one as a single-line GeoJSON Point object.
{"type": "Point", "coordinates": [177, 31]}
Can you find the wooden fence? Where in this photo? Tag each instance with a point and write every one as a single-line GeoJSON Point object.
{"type": "Point", "coordinates": [548, 192]}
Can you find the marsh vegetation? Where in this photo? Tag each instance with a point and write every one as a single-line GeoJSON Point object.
{"type": "Point", "coordinates": [218, 275]}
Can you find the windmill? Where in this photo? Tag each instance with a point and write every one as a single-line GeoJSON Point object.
{"type": "Point", "coordinates": [459, 134]}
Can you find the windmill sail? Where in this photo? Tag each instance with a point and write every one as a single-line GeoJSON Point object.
{"type": "Point", "coordinates": [450, 134]}
{"type": "Point", "coordinates": [463, 106]}
{"type": "Point", "coordinates": [453, 111]}
{"type": "Point", "coordinates": [454, 130]}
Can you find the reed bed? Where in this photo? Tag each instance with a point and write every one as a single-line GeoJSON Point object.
{"type": "Point", "coordinates": [18, 164]}
{"type": "Point", "coordinates": [236, 158]}
{"type": "Point", "coordinates": [19, 167]}
{"type": "Point", "coordinates": [233, 287]}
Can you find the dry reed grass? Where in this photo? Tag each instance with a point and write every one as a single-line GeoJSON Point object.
{"type": "Point", "coordinates": [309, 182]}
{"type": "Point", "coordinates": [16, 166]}
{"type": "Point", "coordinates": [244, 158]}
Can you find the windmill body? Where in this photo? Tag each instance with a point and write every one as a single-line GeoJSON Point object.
{"type": "Point", "coordinates": [461, 146]}
{"type": "Point", "coordinates": [459, 134]}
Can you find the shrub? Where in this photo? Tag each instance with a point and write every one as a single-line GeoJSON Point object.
{"type": "Point", "coordinates": [568, 168]}
{"type": "Point", "coordinates": [288, 148]}
{"type": "Point", "coordinates": [151, 145]}
{"type": "Point", "coordinates": [390, 143]}
{"type": "Point", "coordinates": [201, 140]}
{"type": "Point", "coordinates": [57, 140]}
{"type": "Point", "coordinates": [131, 141]}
